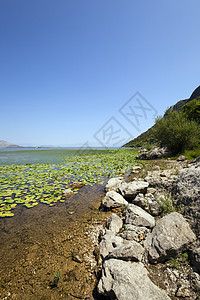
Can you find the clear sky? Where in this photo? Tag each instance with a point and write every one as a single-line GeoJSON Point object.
{"type": "Point", "coordinates": [68, 67]}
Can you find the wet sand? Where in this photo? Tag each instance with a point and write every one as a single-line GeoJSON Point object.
{"type": "Point", "coordinates": [47, 252]}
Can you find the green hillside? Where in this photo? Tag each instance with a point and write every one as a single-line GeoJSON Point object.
{"type": "Point", "coordinates": [189, 107]}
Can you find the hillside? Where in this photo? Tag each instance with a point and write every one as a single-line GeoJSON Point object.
{"type": "Point", "coordinates": [146, 137]}
{"type": "Point", "coordinates": [5, 144]}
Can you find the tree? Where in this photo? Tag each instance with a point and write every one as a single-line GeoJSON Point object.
{"type": "Point", "coordinates": [176, 132]}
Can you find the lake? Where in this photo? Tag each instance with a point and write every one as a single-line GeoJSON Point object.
{"type": "Point", "coordinates": [9, 156]}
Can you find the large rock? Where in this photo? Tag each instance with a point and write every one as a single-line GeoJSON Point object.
{"type": "Point", "coordinates": [123, 280]}
{"type": "Point", "coordinates": [157, 153]}
{"type": "Point", "coordinates": [114, 184]}
{"type": "Point", "coordinates": [161, 179]}
{"type": "Point", "coordinates": [170, 236]}
{"type": "Point", "coordinates": [137, 216]}
{"type": "Point", "coordinates": [154, 153]}
{"type": "Point", "coordinates": [187, 185]}
{"type": "Point", "coordinates": [128, 251]}
{"type": "Point", "coordinates": [186, 191]}
{"type": "Point", "coordinates": [108, 243]}
{"type": "Point", "coordinates": [114, 223]}
{"type": "Point", "coordinates": [113, 200]}
{"type": "Point", "coordinates": [132, 189]}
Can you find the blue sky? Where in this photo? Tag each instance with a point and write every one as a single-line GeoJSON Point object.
{"type": "Point", "coordinates": [68, 67]}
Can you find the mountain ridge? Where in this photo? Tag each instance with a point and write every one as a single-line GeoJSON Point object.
{"type": "Point", "coordinates": [5, 144]}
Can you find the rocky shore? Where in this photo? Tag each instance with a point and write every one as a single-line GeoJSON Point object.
{"type": "Point", "coordinates": [150, 248]}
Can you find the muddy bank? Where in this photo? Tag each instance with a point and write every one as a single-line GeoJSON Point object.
{"type": "Point", "coordinates": [47, 252]}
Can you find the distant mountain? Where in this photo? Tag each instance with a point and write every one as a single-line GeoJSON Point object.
{"type": "Point", "coordinates": [5, 144]}
{"type": "Point", "coordinates": [147, 135]}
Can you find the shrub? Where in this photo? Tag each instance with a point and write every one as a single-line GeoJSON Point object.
{"type": "Point", "coordinates": [191, 110]}
{"type": "Point", "coordinates": [176, 132]}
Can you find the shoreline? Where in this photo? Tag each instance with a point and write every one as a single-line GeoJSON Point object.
{"type": "Point", "coordinates": [38, 244]}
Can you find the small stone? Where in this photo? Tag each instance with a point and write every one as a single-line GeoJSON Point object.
{"type": "Point", "coordinates": [134, 233]}
{"type": "Point", "coordinates": [156, 168]}
{"type": "Point", "coordinates": [181, 158]}
{"type": "Point", "coordinates": [136, 168]}
{"type": "Point", "coordinates": [151, 190]}
{"type": "Point", "coordinates": [76, 258]}
{"type": "Point", "coordinates": [155, 209]}
{"type": "Point", "coordinates": [77, 185]}
{"type": "Point", "coordinates": [68, 193]}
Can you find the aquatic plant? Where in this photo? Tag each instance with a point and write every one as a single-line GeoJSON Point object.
{"type": "Point", "coordinates": [31, 184]}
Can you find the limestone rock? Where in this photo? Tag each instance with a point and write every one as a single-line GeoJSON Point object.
{"type": "Point", "coordinates": [186, 191]}
{"type": "Point", "coordinates": [123, 280]}
{"type": "Point", "coordinates": [134, 233]}
{"type": "Point", "coordinates": [137, 216]}
{"type": "Point", "coordinates": [140, 201]}
{"type": "Point", "coordinates": [170, 236]}
{"type": "Point", "coordinates": [114, 223]}
{"type": "Point", "coordinates": [161, 179]}
{"type": "Point", "coordinates": [128, 251]}
{"type": "Point", "coordinates": [114, 184]}
{"type": "Point", "coordinates": [132, 189]}
{"type": "Point", "coordinates": [155, 153]}
{"type": "Point", "coordinates": [108, 243]}
{"type": "Point", "coordinates": [113, 200]}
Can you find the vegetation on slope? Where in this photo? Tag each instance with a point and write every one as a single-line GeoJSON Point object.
{"type": "Point", "coordinates": [178, 130]}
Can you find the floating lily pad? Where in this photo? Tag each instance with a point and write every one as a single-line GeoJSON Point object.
{"type": "Point", "coordinates": [4, 214]}
{"type": "Point", "coordinates": [45, 183]}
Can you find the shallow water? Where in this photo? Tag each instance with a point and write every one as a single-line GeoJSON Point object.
{"type": "Point", "coordinates": [36, 244]}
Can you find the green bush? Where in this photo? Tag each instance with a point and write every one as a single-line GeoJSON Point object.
{"type": "Point", "coordinates": [191, 110]}
{"type": "Point", "coordinates": [176, 132]}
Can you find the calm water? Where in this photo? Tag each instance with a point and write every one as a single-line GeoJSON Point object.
{"type": "Point", "coordinates": [9, 156]}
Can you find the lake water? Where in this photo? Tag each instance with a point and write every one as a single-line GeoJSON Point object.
{"type": "Point", "coordinates": [9, 156]}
